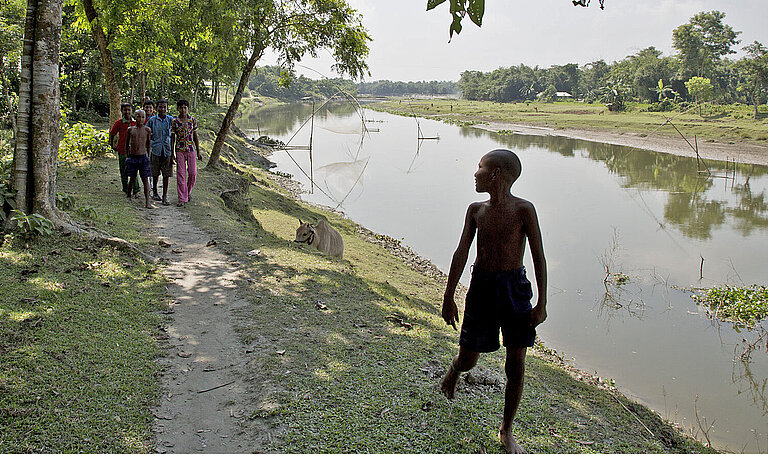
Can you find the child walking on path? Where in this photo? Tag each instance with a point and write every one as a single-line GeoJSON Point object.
{"type": "Point", "coordinates": [184, 142]}
{"type": "Point", "coordinates": [499, 294]}
{"type": "Point", "coordinates": [119, 131]}
{"type": "Point", "coordinates": [161, 160]}
{"type": "Point", "coordinates": [137, 149]}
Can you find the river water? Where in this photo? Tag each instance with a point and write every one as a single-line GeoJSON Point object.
{"type": "Point", "coordinates": [650, 216]}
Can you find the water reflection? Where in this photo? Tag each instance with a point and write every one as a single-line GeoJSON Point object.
{"type": "Point", "coordinates": [688, 207]}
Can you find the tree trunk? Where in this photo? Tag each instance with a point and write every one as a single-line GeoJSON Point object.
{"type": "Point", "coordinates": [22, 154]}
{"type": "Point", "coordinates": [194, 98]}
{"type": "Point", "coordinates": [230, 116]}
{"type": "Point", "coordinates": [107, 65]}
{"type": "Point", "coordinates": [133, 92]}
{"type": "Point", "coordinates": [37, 148]}
{"type": "Point", "coordinates": [143, 87]}
{"type": "Point", "coordinates": [45, 107]}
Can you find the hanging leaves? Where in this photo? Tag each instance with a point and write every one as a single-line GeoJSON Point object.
{"type": "Point", "coordinates": [475, 9]}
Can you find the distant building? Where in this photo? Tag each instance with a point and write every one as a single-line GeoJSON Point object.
{"type": "Point", "coordinates": [557, 95]}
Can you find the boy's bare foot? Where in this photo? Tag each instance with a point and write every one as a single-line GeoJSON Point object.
{"type": "Point", "coordinates": [128, 198]}
{"type": "Point", "coordinates": [150, 206]}
{"type": "Point", "coordinates": [509, 443]}
{"type": "Point", "coordinates": [165, 202]}
{"type": "Point", "coordinates": [449, 382]}
{"type": "Point", "coordinates": [156, 197]}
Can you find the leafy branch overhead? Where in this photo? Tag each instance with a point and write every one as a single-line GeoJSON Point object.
{"type": "Point", "coordinates": [475, 9]}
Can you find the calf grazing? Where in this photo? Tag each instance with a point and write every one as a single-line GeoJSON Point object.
{"type": "Point", "coordinates": [322, 236]}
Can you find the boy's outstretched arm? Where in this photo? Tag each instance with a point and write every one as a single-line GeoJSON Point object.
{"type": "Point", "coordinates": [533, 232]}
{"type": "Point", "coordinates": [459, 261]}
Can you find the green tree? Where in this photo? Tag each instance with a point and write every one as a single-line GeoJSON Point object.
{"type": "Point", "coordinates": [753, 70]}
{"type": "Point", "coordinates": [292, 28]}
{"type": "Point", "coordinates": [700, 89]}
{"type": "Point", "coordinates": [703, 42]}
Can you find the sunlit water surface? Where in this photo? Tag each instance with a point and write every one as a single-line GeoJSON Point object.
{"type": "Point", "coordinates": [648, 215]}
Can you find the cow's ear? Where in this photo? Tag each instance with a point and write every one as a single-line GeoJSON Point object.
{"type": "Point", "coordinates": [300, 223]}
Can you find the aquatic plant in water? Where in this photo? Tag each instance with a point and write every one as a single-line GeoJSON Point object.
{"type": "Point", "coordinates": [741, 305]}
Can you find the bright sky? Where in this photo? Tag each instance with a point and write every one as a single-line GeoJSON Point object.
{"type": "Point", "coordinates": [411, 44]}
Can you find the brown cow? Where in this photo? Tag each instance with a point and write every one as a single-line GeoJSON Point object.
{"type": "Point", "coordinates": [322, 236]}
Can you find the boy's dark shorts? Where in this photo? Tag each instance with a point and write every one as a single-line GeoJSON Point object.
{"type": "Point", "coordinates": [162, 165]}
{"type": "Point", "coordinates": [138, 164]}
{"type": "Point", "coordinates": [497, 300]}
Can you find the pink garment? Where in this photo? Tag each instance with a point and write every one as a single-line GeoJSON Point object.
{"type": "Point", "coordinates": [186, 172]}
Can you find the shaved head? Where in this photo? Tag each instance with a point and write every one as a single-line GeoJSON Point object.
{"type": "Point", "coordinates": [507, 161]}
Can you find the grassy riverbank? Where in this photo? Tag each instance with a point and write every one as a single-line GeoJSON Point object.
{"type": "Point", "coordinates": [719, 123]}
{"type": "Point", "coordinates": [333, 365]}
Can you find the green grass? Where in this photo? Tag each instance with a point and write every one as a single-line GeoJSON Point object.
{"type": "Point", "coordinates": [76, 348]}
{"type": "Point", "coordinates": [729, 123]}
{"type": "Point", "coordinates": [78, 355]}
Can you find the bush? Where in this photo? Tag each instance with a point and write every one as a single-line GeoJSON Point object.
{"type": "Point", "coordinates": [32, 225]}
{"type": "Point", "coordinates": [664, 105]}
{"type": "Point", "coordinates": [83, 141]}
{"type": "Point", "coordinates": [7, 196]}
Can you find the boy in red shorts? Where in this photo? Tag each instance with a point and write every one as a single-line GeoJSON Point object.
{"type": "Point", "coordinates": [499, 294]}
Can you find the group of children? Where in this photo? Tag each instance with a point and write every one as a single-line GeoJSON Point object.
{"type": "Point", "coordinates": [148, 144]}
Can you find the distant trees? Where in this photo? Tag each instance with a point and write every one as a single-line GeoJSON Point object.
{"type": "Point", "coordinates": [277, 82]}
{"type": "Point", "coordinates": [753, 71]}
{"type": "Point", "coordinates": [400, 88]}
{"type": "Point", "coordinates": [702, 47]}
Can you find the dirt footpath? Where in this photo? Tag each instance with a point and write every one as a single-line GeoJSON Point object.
{"type": "Point", "coordinates": [205, 396]}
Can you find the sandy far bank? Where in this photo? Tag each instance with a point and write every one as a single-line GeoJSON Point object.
{"type": "Point", "coordinates": [741, 151]}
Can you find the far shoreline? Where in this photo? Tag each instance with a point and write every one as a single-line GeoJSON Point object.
{"type": "Point", "coordinates": [741, 152]}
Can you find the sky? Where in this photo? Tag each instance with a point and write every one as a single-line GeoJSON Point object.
{"type": "Point", "coordinates": [411, 44]}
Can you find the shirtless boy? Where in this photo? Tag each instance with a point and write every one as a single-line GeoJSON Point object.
{"type": "Point", "coordinates": [499, 294]}
{"type": "Point", "coordinates": [137, 149]}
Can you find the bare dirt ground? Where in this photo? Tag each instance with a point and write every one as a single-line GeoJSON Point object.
{"type": "Point", "coordinates": [205, 397]}
{"type": "Point", "coordinates": [742, 152]}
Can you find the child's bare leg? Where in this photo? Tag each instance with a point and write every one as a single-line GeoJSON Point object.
{"type": "Point", "coordinates": [147, 204]}
{"type": "Point", "coordinates": [129, 192]}
{"type": "Point", "coordinates": [165, 188]}
{"type": "Point", "coordinates": [154, 186]}
{"type": "Point", "coordinates": [465, 361]}
{"type": "Point", "coordinates": [515, 369]}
